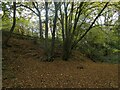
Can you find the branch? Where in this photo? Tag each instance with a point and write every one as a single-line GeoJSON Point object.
{"type": "Point", "coordinates": [29, 9]}
{"type": "Point", "coordinates": [77, 17]}
{"type": "Point", "coordinates": [36, 7]}
{"type": "Point", "coordinates": [89, 27]}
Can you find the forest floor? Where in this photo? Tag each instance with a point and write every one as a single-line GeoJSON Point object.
{"type": "Point", "coordinates": [23, 67]}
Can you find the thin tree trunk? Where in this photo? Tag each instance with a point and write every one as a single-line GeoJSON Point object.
{"type": "Point", "coordinates": [62, 24]}
{"type": "Point", "coordinates": [54, 29]}
{"type": "Point", "coordinates": [40, 25]}
{"type": "Point", "coordinates": [46, 30]}
{"type": "Point", "coordinates": [13, 26]}
{"type": "Point", "coordinates": [40, 21]}
{"type": "Point", "coordinates": [66, 40]}
{"type": "Point", "coordinates": [69, 29]}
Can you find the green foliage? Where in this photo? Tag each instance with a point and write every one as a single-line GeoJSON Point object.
{"type": "Point", "coordinates": [101, 43]}
{"type": "Point", "coordinates": [6, 23]}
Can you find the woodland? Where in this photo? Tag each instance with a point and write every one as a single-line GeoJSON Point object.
{"type": "Point", "coordinates": [60, 44]}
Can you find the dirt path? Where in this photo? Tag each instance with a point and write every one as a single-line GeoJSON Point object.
{"type": "Point", "coordinates": [22, 68]}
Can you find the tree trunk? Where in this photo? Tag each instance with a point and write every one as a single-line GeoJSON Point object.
{"type": "Point", "coordinates": [62, 24]}
{"type": "Point", "coordinates": [54, 29]}
{"type": "Point", "coordinates": [69, 29]}
{"type": "Point", "coordinates": [66, 39]}
{"type": "Point", "coordinates": [40, 25]}
{"type": "Point", "coordinates": [35, 4]}
{"type": "Point", "coordinates": [46, 31]}
{"type": "Point", "coordinates": [13, 26]}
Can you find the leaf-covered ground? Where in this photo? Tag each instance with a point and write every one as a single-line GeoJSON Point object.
{"type": "Point", "coordinates": [24, 66]}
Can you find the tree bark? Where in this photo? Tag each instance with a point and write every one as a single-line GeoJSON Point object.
{"type": "Point", "coordinates": [46, 30]}
{"type": "Point", "coordinates": [40, 25]}
{"type": "Point", "coordinates": [66, 39]}
{"type": "Point", "coordinates": [13, 26]}
{"type": "Point", "coordinates": [62, 24]}
{"type": "Point", "coordinates": [54, 29]}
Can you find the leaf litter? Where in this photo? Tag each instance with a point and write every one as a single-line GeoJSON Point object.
{"type": "Point", "coordinates": [23, 67]}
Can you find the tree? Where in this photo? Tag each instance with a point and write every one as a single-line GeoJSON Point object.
{"type": "Point", "coordinates": [70, 28]}
{"type": "Point", "coordinates": [13, 26]}
{"type": "Point", "coordinates": [46, 30]}
{"type": "Point", "coordinates": [54, 29]}
{"type": "Point", "coordinates": [39, 15]}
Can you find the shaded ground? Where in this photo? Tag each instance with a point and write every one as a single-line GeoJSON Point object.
{"type": "Point", "coordinates": [24, 66]}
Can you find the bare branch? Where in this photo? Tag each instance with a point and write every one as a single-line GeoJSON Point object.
{"type": "Point", "coordinates": [89, 27]}
{"type": "Point", "coordinates": [29, 9]}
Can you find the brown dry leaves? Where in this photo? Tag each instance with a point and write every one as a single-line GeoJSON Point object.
{"type": "Point", "coordinates": [23, 68]}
